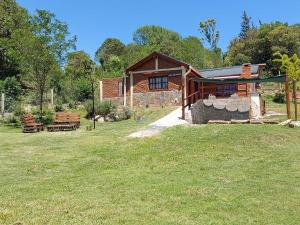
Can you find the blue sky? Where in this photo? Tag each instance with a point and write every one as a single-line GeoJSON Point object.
{"type": "Point", "coordinates": [95, 20]}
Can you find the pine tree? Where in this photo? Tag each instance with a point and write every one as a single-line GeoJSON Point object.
{"type": "Point", "coordinates": [245, 25]}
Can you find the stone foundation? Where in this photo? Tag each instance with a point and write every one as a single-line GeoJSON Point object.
{"type": "Point", "coordinates": [158, 98]}
{"type": "Point", "coordinates": [233, 108]}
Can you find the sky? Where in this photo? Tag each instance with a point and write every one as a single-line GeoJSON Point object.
{"type": "Point", "coordinates": [92, 21]}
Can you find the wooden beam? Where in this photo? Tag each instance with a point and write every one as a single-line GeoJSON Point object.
{"type": "Point", "coordinates": [287, 97]}
{"type": "Point", "coordinates": [156, 63]}
{"type": "Point", "coordinates": [156, 70]}
{"type": "Point", "coordinates": [295, 99]}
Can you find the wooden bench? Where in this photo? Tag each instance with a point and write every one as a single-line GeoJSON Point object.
{"type": "Point", "coordinates": [65, 121]}
{"type": "Point", "coordinates": [67, 118]}
{"type": "Point", "coordinates": [29, 124]}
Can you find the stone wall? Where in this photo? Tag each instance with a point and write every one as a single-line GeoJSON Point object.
{"type": "Point", "coordinates": [158, 98]}
{"type": "Point", "coordinates": [235, 107]}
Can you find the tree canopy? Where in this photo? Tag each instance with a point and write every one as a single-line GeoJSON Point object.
{"type": "Point", "coordinates": [261, 43]}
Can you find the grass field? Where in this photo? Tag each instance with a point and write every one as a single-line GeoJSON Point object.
{"type": "Point", "coordinates": [208, 174]}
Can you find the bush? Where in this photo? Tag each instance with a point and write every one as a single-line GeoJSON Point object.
{"type": "Point", "coordinates": [139, 114]}
{"type": "Point", "coordinates": [123, 113]}
{"type": "Point", "coordinates": [82, 89]}
{"type": "Point", "coordinates": [18, 110]}
{"type": "Point", "coordinates": [12, 89]}
{"type": "Point", "coordinates": [58, 106]}
{"type": "Point", "coordinates": [101, 108]}
{"type": "Point", "coordinates": [279, 97]}
{"type": "Point", "coordinates": [46, 117]}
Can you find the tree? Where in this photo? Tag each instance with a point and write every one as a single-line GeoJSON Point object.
{"type": "Point", "coordinates": [12, 18]}
{"type": "Point", "coordinates": [260, 44]}
{"type": "Point", "coordinates": [159, 39]}
{"type": "Point", "coordinates": [245, 25]}
{"type": "Point", "coordinates": [35, 61]}
{"type": "Point", "coordinates": [210, 33]}
{"type": "Point", "coordinates": [75, 65]}
{"type": "Point", "coordinates": [77, 68]}
{"type": "Point", "coordinates": [54, 33]}
{"type": "Point", "coordinates": [110, 47]}
{"type": "Point", "coordinates": [291, 65]}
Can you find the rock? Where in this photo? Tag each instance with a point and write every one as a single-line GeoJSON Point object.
{"type": "Point", "coordinates": [285, 122]}
{"type": "Point", "coordinates": [294, 124]}
{"type": "Point", "coordinates": [240, 121]}
{"type": "Point", "coordinates": [218, 122]}
{"type": "Point", "coordinates": [256, 122]}
{"type": "Point", "coordinates": [270, 121]}
{"type": "Point", "coordinates": [108, 119]}
{"type": "Point", "coordinates": [100, 120]}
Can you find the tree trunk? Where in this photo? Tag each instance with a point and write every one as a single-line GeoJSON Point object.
{"type": "Point", "coordinates": [41, 101]}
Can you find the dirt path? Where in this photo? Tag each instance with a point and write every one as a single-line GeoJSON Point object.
{"type": "Point", "coordinates": [170, 120]}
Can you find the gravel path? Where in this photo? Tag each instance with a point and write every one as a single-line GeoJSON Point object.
{"type": "Point", "coordinates": [170, 120]}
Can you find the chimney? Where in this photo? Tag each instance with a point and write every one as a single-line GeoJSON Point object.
{"type": "Point", "coordinates": [246, 70]}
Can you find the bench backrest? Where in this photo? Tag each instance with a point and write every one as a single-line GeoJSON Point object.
{"type": "Point", "coordinates": [28, 119]}
{"type": "Point", "coordinates": [67, 117]}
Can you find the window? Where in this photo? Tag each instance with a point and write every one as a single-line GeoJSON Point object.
{"type": "Point", "coordinates": [120, 91]}
{"type": "Point", "coordinates": [225, 90]}
{"type": "Point", "coordinates": [158, 83]}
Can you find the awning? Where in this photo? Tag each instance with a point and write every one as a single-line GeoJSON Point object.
{"type": "Point", "coordinates": [278, 79]}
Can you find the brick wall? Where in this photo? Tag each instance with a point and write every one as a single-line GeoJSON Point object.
{"type": "Point", "coordinates": [111, 87]}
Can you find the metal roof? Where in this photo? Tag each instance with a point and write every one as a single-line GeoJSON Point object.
{"type": "Point", "coordinates": [226, 71]}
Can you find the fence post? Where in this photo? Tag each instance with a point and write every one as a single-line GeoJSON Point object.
{"type": "Point", "coordinates": [52, 97]}
{"type": "Point", "coordinates": [2, 103]}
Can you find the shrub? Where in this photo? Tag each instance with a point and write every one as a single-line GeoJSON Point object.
{"type": "Point", "coordinates": [123, 114]}
{"type": "Point", "coordinates": [58, 106]}
{"type": "Point", "coordinates": [46, 117]}
{"type": "Point", "coordinates": [18, 110]}
{"type": "Point", "coordinates": [102, 109]}
{"type": "Point", "coordinates": [279, 97]}
{"type": "Point", "coordinates": [82, 89]}
{"type": "Point", "coordinates": [139, 114]}
{"type": "Point", "coordinates": [12, 89]}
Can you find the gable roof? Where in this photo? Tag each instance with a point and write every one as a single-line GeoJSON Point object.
{"type": "Point", "coordinates": [228, 71]}
{"type": "Point", "coordinates": [155, 55]}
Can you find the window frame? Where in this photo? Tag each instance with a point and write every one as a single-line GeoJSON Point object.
{"type": "Point", "coordinates": [157, 83]}
{"type": "Point", "coordinates": [226, 90]}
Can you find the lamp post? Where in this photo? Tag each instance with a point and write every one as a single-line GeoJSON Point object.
{"type": "Point", "coordinates": [91, 70]}
{"type": "Point", "coordinates": [93, 92]}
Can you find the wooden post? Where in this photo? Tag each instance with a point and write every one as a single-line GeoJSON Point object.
{"type": "Point", "coordinates": [183, 91]}
{"type": "Point", "coordinates": [182, 97]}
{"type": "Point", "coordinates": [101, 90]}
{"type": "Point", "coordinates": [131, 90]}
{"type": "Point", "coordinates": [52, 97]}
{"type": "Point", "coordinates": [287, 97]}
{"type": "Point", "coordinates": [124, 80]}
{"type": "Point", "coordinates": [202, 90]}
{"type": "Point", "coordinates": [2, 103]}
{"type": "Point", "coordinates": [295, 99]}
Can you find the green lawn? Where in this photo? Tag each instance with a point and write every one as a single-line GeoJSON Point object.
{"type": "Point", "coordinates": [209, 174]}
